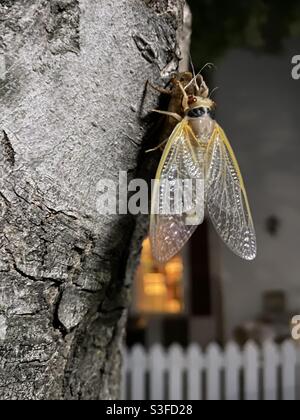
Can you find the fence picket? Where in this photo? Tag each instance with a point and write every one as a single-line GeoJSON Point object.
{"type": "Point", "coordinates": [214, 364]}
{"type": "Point", "coordinates": [176, 368]}
{"type": "Point", "coordinates": [157, 369]}
{"type": "Point", "coordinates": [289, 360]}
{"type": "Point", "coordinates": [233, 364]}
{"type": "Point", "coordinates": [270, 371]}
{"type": "Point", "coordinates": [138, 367]}
{"type": "Point", "coordinates": [251, 363]}
{"type": "Point", "coordinates": [195, 364]}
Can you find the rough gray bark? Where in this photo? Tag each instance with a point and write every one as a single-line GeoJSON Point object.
{"type": "Point", "coordinates": [72, 79]}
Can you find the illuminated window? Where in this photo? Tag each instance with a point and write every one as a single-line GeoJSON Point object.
{"type": "Point", "coordinates": [158, 287]}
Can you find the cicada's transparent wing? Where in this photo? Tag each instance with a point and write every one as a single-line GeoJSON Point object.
{"type": "Point", "coordinates": [178, 194]}
{"type": "Point", "coordinates": [226, 197]}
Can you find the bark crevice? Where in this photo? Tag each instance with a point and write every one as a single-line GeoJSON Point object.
{"type": "Point", "coordinates": [63, 26]}
{"type": "Point", "coordinates": [7, 149]}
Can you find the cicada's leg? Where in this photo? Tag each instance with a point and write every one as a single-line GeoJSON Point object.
{"type": "Point", "coordinates": [157, 147]}
{"type": "Point", "coordinates": [159, 89]}
{"type": "Point", "coordinates": [185, 99]}
{"type": "Point", "coordinates": [169, 114]}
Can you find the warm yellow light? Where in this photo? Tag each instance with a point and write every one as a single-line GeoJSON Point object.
{"type": "Point", "coordinates": [154, 284]}
{"type": "Point", "coordinates": [174, 306]}
{"type": "Point", "coordinates": [147, 246]}
{"type": "Point", "coordinates": [159, 286]}
{"type": "Point", "coordinates": [174, 268]}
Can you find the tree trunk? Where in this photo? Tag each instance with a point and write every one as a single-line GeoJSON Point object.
{"type": "Point", "coordinates": [72, 98]}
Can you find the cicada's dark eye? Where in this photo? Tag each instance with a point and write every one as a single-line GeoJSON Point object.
{"type": "Point", "coordinates": [196, 112]}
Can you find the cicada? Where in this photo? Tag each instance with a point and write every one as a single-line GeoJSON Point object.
{"type": "Point", "coordinates": [198, 149]}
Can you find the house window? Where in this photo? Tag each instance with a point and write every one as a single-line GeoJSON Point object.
{"type": "Point", "coordinates": [158, 287]}
{"type": "Point", "coordinates": [172, 302]}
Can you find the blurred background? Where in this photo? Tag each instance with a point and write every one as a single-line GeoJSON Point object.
{"type": "Point", "coordinates": [206, 293]}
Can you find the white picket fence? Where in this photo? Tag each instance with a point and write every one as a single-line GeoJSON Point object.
{"type": "Point", "coordinates": [270, 372]}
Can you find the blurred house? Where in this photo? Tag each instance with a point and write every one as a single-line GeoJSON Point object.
{"type": "Point", "coordinates": [259, 108]}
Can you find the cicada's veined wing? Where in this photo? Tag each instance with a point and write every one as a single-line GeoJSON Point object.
{"type": "Point", "coordinates": [178, 194]}
{"type": "Point", "coordinates": [226, 197]}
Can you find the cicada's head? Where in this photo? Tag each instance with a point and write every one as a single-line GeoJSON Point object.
{"type": "Point", "coordinates": [200, 113]}
{"type": "Point", "coordinates": [198, 106]}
